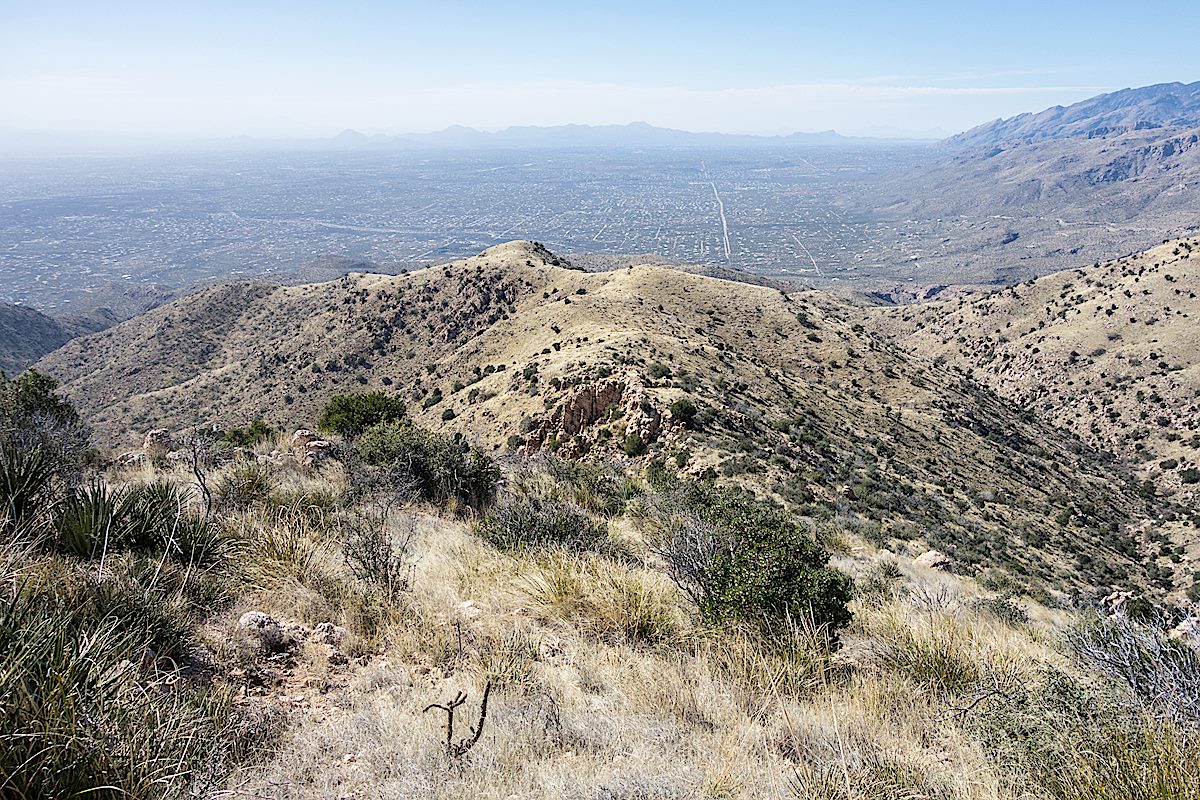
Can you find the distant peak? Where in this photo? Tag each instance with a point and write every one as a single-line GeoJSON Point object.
{"type": "Point", "coordinates": [523, 249]}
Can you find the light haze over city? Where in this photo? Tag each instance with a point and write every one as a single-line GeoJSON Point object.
{"type": "Point", "coordinates": [305, 69]}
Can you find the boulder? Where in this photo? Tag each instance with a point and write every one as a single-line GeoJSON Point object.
{"type": "Point", "coordinates": [1187, 629]}
{"type": "Point", "coordinates": [158, 443]}
{"type": "Point", "coordinates": [932, 559]}
{"type": "Point", "coordinates": [133, 458]}
{"type": "Point", "coordinates": [1116, 601]}
{"type": "Point", "coordinates": [302, 437]}
{"type": "Point", "coordinates": [328, 633]}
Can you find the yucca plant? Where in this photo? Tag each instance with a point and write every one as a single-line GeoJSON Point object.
{"type": "Point", "coordinates": [156, 510]}
{"type": "Point", "coordinates": [26, 488]}
{"type": "Point", "coordinates": [95, 520]}
{"type": "Point", "coordinates": [78, 718]}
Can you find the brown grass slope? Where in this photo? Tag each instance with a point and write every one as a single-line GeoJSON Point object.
{"type": "Point", "coordinates": [795, 398]}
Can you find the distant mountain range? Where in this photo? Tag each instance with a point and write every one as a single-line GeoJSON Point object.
{"type": "Point", "coordinates": [635, 134]}
{"type": "Point", "coordinates": [1067, 186]}
{"type": "Point", "coordinates": [1164, 105]}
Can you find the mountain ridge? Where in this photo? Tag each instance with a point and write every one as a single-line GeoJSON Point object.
{"type": "Point", "coordinates": [513, 351]}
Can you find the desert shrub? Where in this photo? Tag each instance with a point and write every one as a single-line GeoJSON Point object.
{"type": "Point", "coordinates": [600, 488]}
{"type": "Point", "coordinates": [634, 445]}
{"type": "Point", "coordinates": [244, 486]}
{"type": "Point", "coordinates": [879, 583]}
{"type": "Point", "coordinates": [740, 560]}
{"type": "Point", "coordinates": [1004, 609]}
{"type": "Point", "coordinates": [1160, 676]}
{"type": "Point", "coordinates": [349, 415]}
{"type": "Point", "coordinates": [1064, 738]}
{"type": "Point", "coordinates": [684, 410]}
{"type": "Point", "coordinates": [257, 431]}
{"type": "Point", "coordinates": [377, 555]}
{"type": "Point", "coordinates": [34, 418]}
{"type": "Point", "coordinates": [531, 523]}
{"type": "Point", "coordinates": [438, 465]}
{"type": "Point", "coordinates": [26, 488]}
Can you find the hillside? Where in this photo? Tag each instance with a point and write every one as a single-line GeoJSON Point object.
{"type": "Point", "coordinates": [1064, 187]}
{"type": "Point", "coordinates": [1110, 352]}
{"type": "Point", "coordinates": [791, 395]}
{"type": "Point", "coordinates": [26, 335]}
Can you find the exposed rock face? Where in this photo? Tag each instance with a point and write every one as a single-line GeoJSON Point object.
{"type": "Point", "coordinates": [158, 443]}
{"type": "Point", "coordinates": [932, 559]}
{"type": "Point", "coordinates": [583, 406]}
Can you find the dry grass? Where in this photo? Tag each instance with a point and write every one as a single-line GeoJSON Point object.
{"type": "Point", "coordinates": [605, 688]}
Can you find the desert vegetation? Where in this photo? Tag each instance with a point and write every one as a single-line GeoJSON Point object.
{"type": "Point", "coordinates": [411, 618]}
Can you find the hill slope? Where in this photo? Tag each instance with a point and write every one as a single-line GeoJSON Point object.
{"type": "Point", "coordinates": [26, 335]}
{"type": "Point", "coordinates": [1110, 352]}
{"type": "Point", "coordinates": [1064, 187]}
{"type": "Point", "coordinates": [794, 397]}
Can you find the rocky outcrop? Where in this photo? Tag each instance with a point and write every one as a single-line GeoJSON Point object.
{"type": "Point", "coordinates": [932, 559]}
{"type": "Point", "coordinates": [158, 442]}
{"type": "Point", "coordinates": [573, 424]}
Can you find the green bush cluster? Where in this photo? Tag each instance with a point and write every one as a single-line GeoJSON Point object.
{"type": "Point", "coordinates": [257, 431]}
{"type": "Point", "coordinates": [349, 415]}
{"type": "Point", "coordinates": [741, 560]}
{"type": "Point", "coordinates": [440, 468]}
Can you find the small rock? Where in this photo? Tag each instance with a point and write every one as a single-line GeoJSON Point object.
{"type": "Point", "coordinates": [328, 633]}
{"type": "Point", "coordinates": [1116, 601]}
{"type": "Point", "coordinates": [469, 609]}
{"type": "Point", "coordinates": [265, 628]}
{"type": "Point", "coordinates": [932, 559]}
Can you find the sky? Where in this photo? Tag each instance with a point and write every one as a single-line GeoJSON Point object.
{"type": "Point", "coordinates": [305, 69]}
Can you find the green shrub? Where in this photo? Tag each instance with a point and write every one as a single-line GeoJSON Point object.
{"type": "Point", "coordinates": [257, 431]}
{"type": "Point", "coordinates": [524, 524]}
{"type": "Point", "coordinates": [684, 410]}
{"type": "Point", "coordinates": [437, 464]}
{"type": "Point", "coordinates": [741, 560]}
{"type": "Point", "coordinates": [634, 446]}
{"type": "Point", "coordinates": [33, 417]}
{"type": "Point", "coordinates": [349, 415]}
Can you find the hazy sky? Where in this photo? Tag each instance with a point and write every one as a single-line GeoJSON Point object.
{"type": "Point", "coordinates": [305, 68]}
